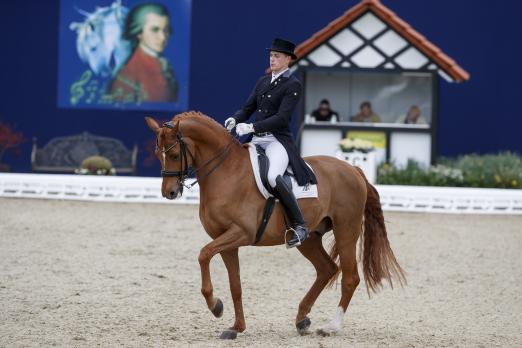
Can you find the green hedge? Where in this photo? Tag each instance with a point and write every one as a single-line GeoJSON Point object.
{"type": "Point", "coordinates": [494, 171]}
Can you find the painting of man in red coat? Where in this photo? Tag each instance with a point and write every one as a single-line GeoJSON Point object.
{"type": "Point", "coordinates": [147, 76]}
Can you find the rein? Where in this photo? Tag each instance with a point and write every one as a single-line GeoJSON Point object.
{"type": "Point", "coordinates": [185, 171]}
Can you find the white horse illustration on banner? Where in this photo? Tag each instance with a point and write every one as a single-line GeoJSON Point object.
{"type": "Point", "coordinates": [100, 43]}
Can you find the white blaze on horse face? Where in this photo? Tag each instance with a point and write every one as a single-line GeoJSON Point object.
{"type": "Point", "coordinates": [164, 158]}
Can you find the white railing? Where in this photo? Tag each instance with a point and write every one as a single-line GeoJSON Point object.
{"type": "Point", "coordinates": [144, 189]}
{"type": "Point", "coordinates": [90, 188]}
{"type": "Point", "coordinates": [450, 199]}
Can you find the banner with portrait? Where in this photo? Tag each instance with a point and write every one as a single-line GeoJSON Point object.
{"type": "Point", "coordinates": [124, 54]}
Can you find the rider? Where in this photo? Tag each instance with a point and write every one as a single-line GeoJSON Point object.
{"type": "Point", "coordinates": [273, 100]}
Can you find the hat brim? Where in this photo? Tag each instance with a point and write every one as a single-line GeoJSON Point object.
{"type": "Point", "coordinates": [291, 54]}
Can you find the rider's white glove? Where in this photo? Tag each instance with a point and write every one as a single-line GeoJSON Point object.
{"type": "Point", "coordinates": [230, 123]}
{"type": "Point", "coordinates": [244, 128]}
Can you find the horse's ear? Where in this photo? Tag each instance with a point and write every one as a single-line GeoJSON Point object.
{"type": "Point", "coordinates": [153, 125]}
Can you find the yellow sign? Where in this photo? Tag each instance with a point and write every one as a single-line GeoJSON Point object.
{"type": "Point", "coordinates": [378, 139]}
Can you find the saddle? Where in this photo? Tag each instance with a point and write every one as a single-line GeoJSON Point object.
{"type": "Point", "coordinates": [260, 164]}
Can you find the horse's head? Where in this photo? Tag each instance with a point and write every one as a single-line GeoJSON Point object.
{"type": "Point", "coordinates": [174, 155]}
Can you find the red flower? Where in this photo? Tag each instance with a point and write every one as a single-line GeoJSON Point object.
{"type": "Point", "coordinates": [9, 138]}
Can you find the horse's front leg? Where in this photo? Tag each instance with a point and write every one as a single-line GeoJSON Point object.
{"type": "Point", "coordinates": [228, 241]}
{"type": "Point", "coordinates": [231, 260]}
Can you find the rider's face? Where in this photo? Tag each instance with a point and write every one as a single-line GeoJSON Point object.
{"type": "Point", "coordinates": [279, 61]}
{"type": "Point", "coordinates": [155, 33]}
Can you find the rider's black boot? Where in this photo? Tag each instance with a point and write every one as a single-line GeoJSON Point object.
{"type": "Point", "coordinates": [287, 198]}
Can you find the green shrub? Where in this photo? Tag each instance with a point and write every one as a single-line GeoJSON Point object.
{"type": "Point", "coordinates": [501, 171]}
{"type": "Point", "coordinates": [495, 171]}
{"type": "Point", "coordinates": [416, 174]}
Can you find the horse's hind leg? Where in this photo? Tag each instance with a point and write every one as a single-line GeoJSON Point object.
{"type": "Point", "coordinates": [313, 250]}
{"type": "Point", "coordinates": [346, 242]}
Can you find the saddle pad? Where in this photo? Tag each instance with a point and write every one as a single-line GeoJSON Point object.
{"type": "Point", "coordinates": [309, 191]}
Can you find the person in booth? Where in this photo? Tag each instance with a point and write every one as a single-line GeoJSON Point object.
{"type": "Point", "coordinates": [272, 101]}
{"type": "Point", "coordinates": [413, 116]}
{"type": "Point", "coordinates": [366, 114]}
{"type": "Point", "coordinates": [324, 113]}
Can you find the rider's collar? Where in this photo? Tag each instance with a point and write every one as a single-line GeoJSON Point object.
{"type": "Point", "coordinates": [275, 76]}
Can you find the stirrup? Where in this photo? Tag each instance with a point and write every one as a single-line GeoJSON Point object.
{"type": "Point", "coordinates": [290, 229]}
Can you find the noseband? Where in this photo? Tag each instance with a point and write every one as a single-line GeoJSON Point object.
{"type": "Point", "coordinates": [185, 170]}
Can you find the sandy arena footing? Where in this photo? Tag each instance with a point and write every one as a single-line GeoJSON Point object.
{"type": "Point", "coordinates": [75, 274]}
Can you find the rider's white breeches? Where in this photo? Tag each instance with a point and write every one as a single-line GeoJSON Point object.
{"type": "Point", "coordinates": [277, 155]}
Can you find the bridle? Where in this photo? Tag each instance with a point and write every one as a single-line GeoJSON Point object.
{"type": "Point", "coordinates": [185, 170]}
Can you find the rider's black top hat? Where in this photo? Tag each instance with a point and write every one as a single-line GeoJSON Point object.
{"type": "Point", "coordinates": [284, 46]}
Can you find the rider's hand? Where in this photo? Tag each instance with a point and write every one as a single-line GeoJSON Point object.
{"type": "Point", "coordinates": [230, 123]}
{"type": "Point", "coordinates": [244, 128]}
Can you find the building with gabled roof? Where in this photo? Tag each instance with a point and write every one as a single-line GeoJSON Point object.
{"type": "Point", "coordinates": [370, 54]}
{"type": "Point", "coordinates": [369, 35]}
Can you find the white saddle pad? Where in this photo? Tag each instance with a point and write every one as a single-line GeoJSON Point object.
{"type": "Point", "coordinates": [309, 191]}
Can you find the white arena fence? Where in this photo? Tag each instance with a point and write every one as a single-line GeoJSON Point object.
{"type": "Point", "coordinates": [147, 190]}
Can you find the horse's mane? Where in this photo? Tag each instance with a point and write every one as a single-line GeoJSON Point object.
{"type": "Point", "coordinates": [203, 119]}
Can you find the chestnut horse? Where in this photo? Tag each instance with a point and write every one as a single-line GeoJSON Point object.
{"type": "Point", "coordinates": [231, 209]}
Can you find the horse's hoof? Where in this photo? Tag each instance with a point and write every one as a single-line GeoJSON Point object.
{"type": "Point", "coordinates": [303, 325]}
{"type": "Point", "coordinates": [218, 309]}
{"type": "Point", "coordinates": [228, 335]}
{"type": "Point", "coordinates": [326, 332]}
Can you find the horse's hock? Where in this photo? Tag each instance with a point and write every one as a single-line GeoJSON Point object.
{"type": "Point", "coordinates": [65, 154]}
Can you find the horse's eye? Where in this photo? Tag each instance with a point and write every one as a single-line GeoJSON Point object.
{"type": "Point", "coordinates": [174, 156]}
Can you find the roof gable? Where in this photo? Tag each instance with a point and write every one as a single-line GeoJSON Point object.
{"type": "Point", "coordinates": [369, 35]}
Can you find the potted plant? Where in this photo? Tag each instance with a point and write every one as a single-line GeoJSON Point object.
{"type": "Point", "coordinates": [96, 165]}
{"type": "Point", "coordinates": [356, 145]}
{"type": "Point", "coordinates": [9, 139]}
{"type": "Point", "coordinates": [360, 153]}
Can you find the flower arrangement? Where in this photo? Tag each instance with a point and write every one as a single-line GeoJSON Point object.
{"type": "Point", "coordinates": [96, 165]}
{"type": "Point", "coordinates": [352, 145]}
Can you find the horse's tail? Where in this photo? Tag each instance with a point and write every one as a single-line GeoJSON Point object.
{"type": "Point", "coordinates": [379, 262]}
{"type": "Point", "coordinates": [378, 259]}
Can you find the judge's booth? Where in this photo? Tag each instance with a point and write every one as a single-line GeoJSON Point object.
{"type": "Point", "coordinates": [381, 78]}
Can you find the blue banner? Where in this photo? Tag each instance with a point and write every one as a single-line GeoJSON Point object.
{"type": "Point", "coordinates": [124, 54]}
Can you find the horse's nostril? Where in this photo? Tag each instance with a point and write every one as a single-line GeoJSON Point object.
{"type": "Point", "coordinates": [172, 194]}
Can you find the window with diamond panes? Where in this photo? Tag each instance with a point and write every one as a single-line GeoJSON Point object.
{"type": "Point", "coordinates": [369, 43]}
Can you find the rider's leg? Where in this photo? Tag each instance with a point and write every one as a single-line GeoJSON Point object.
{"type": "Point", "coordinates": [262, 141]}
{"type": "Point", "coordinates": [278, 164]}
{"type": "Point", "coordinates": [287, 198]}
{"type": "Point", "coordinates": [278, 157]}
